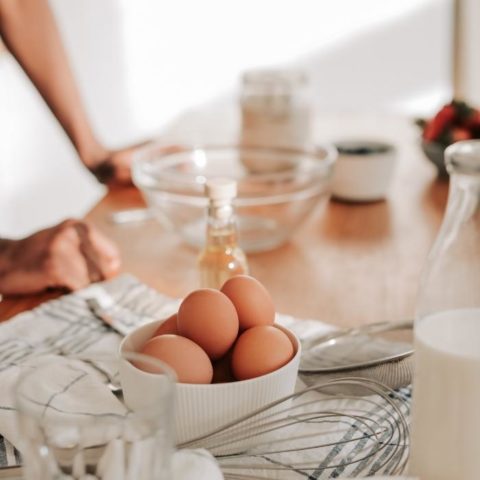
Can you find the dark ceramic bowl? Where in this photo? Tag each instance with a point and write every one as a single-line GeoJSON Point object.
{"type": "Point", "coordinates": [435, 153]}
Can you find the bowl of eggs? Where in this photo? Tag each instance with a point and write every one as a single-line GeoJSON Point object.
{"type": "Point", "coordinates": [229, 357]}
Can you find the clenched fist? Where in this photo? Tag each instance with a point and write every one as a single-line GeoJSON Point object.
{"type": "Point", "coordinates": [70, 256]}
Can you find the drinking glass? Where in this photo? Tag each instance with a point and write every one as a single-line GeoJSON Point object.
{"type": "Point", "coordinates": [74, 424]}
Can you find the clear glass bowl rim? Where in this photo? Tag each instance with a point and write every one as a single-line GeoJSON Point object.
{"type": "Point", "coordinates": [325, 153]}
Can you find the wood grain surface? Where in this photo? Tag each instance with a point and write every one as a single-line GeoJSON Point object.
{"type": "Point", "coordinates": [349, 265]}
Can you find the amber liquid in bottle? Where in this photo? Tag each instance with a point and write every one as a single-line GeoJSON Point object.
{"type": "Point", "coordinates": [221, 257]}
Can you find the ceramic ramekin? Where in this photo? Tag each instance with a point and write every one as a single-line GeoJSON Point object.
{"type": "Point", "coordinates": [363, 171]}
{"type": "Point", "coordinates": [200, 409]}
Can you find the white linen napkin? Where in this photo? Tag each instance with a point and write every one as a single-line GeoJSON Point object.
{"type": "Point", "coordinates": [195, 465]}
{"type": "Point", "coordinates": [67, 326]}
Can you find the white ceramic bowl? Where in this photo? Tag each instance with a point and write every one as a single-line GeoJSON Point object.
{"type": "Point", "coordinates": [363, 171]}
{"type": "Point", "coordinates": [199, 409]}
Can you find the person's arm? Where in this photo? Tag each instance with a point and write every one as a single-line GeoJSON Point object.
{"type": "Point", "coordinates": [69, 255]}
{"type": "Point", "coordinates": [28, 29]}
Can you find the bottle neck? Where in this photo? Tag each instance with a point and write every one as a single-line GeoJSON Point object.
{"type": "Point", "coordinates": [465, 180]}
{"type": "Point", "coordinates": [221, 225]}
{"type": "Point", "coordinates": [450, 278]}
{"type": "Point", "coordinates": [463, 197]}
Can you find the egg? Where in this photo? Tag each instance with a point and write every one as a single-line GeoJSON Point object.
{"type": "Point", "coordinates": [260, 350]}
{"type": "Point", "coordinates": [209, 318]}
{"type": "Point", "coordinates": [190, 363]}
{"type": "Point", "coordinates": [168, 326]}
{"type": "Point", "coordinates": [252, 301]}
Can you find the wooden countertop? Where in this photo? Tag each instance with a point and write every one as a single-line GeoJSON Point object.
{"type": "Point", "coordinates": [351, 264]}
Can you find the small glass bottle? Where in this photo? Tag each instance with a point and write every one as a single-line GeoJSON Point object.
{"type": "Point", "coordinates": [221, 257]}
{"type": "Point", "coordinates": [446, 390]}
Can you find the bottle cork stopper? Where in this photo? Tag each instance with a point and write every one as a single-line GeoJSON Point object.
{"type": "Point", "coordinates": [221, 189]}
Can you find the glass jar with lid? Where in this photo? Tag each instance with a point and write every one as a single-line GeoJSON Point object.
{"type": "Point", "coordinates": [276, 110]}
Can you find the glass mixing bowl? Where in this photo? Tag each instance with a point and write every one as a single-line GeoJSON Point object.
{"type": "Point", "coordinates": [278, 189]}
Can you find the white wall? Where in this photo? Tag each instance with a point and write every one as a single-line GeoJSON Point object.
{"type": "Point", "coordinates": [148, 60]}
{"type": "Point", "coordinates": [142, 65]}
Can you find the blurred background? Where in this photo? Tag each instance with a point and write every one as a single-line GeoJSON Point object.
{"type": "Point", "coordinates": [162, 69]}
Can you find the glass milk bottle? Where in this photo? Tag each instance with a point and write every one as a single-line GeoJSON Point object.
{"type": "Point", "coordinates": [221, 257]}
{"type": "Point", "coordinates": [446, 391]}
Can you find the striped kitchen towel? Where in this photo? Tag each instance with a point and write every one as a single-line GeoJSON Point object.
{"type": "Point", "coordinates": [67, 326]}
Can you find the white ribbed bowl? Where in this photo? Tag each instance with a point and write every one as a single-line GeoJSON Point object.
{"type": "Point", "coordinates": [200, 409]}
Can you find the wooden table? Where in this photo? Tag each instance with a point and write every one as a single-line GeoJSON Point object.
{"type": "Point", "coordinates": [351, 264]}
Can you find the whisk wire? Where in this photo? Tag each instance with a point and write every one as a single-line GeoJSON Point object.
{"type": "Point", "coordinates": [314, 430]}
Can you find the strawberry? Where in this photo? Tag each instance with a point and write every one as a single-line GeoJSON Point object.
{"type": "Point", "coordinates": [459, 133]}
{"type": "Point", "coordinates": [443, 119]}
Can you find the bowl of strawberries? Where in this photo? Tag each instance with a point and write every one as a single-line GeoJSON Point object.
{"type": "Point", "coordinates": [454, 122]}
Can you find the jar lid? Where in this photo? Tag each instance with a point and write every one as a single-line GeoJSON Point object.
{"type": "Point", "coordinates": [463, 157]}
{"type": "Point", "coordinates": [268, 80]}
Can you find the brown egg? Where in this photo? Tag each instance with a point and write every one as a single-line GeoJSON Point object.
{"type": "Point", "coordinates": [169, 326]}
{"type": "Point", "coordinates": [190, 362]}
{"type": "Point", "coordinates": [260, 350]}
{"type": "Point", "coordinates": [209, 318]}
{"type": "Point", "coordinates": [252, 301]}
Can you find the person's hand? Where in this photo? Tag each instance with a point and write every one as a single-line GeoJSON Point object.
{"type": "Point", "coordinates": [69, 256]}
{"type": "Point", "coordinates": [113, 168]}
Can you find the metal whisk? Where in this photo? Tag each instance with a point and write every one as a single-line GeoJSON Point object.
{"type": "Point", "coordinates": [317, 433]}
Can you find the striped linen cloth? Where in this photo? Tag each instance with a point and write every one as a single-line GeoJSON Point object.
{"type": "Point", "coordinates": [67, 326]}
